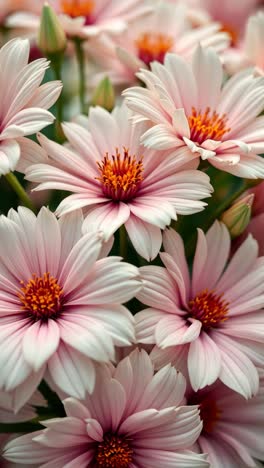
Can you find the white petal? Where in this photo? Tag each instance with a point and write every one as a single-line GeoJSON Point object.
{"type": "Point", "coordinates": [9, 156]}
{"type": "Point", "coordinates": [72, 372]}
{"type": "Point", "coordinates": [145, 237]}
{"type": "Point", "coordinates": [40, 342]}
{"type": "Point", "coordinates": [204, 362]}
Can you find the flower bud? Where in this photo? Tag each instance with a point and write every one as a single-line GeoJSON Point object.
{"type": "Point", "coordinates": [104, 95]}
{"type": "Point", "coordinates": [51, 38]}
{"type": "Point", "coordinates": [237, 217]}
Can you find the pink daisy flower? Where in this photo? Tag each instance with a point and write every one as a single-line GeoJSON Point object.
{"type": "Point", "coordinates": [118, 181]}
{"type": "Point", "coordinates": [60, 304]}
{"type": "Point", "coordinates": [187, 106]}
{"type": "Point", "coordinates": [212, 321]}
{"type": "Point", "coordinates": [232, 432]}
{"type": "Point", "coordinates": [132, 419]}
{"type": "Point", "coordinates": [232, 15]}
{"type": "Point", "coordinates": [24, 103]}
{"type": "Point", "coordinates": [148, 39]}
{"type": "Point", "coordinates": [87, 18]}
{"type": "Point", "coordinates": [26, 413]}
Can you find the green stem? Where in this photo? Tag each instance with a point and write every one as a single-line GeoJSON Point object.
{"type": "Point", "coordinates": [81, 63]}
{"type": "Point", "coordinates": [20, 191]}
{"type": "Point", "coordinates": [123, 242]}
{"type": "Point", "coordinates": [27, 426]}
{"type": "Point", "coordinates": [52, 399]}
{"type": "Point", "coordinates": [56, 64]}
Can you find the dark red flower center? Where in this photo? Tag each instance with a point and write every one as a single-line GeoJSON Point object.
{"type": "Point", "coordinates": [41, 296]}
{"type": "Point", "coordinates": [210, 308]}
{"type": "Point", "coordinates": [120, 176]}
{"type": "Point", "coordinates": [209, 411]}
{"type": "Point", "coordinates": [114, 452]}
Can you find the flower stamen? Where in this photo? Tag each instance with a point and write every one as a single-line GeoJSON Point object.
{"type": "Point", "coordinates": [114, 452]}
{"type": "Point", "coordinates": [232, 32]}
{"type": "Point", "coordinates": [153, 46]}
{"type": "Point", "coordinates": [207, 125]}
{"type": "Point", "coordinates": [209, 308]}
{"type": "Point", "coordinates": [41, 296]}
{"type": "Point", "coordinates": [75, 8]}
{"type": "Point", "coordinates": [120, 176]}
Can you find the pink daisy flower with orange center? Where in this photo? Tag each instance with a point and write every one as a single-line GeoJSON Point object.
{"type": "Point", "coordinates": [60, 303]}
{"type": "Point", "coordinates": [132, 419]}
{"type": "Point", "coordinates": [117, 181]}
{"type": "Point", "coordinates": [148, 39]}
{"type": "Point", "coordinates": [24, 103]}
{"type": "Point", "coordinates": [211, 324]}
{"type": "Point", "coordinates": [187, 106]}
{"type": "Point", "coordinates": [233, 16]}
{"type": "Point", "coordinates": [86, 18]}
{"type": "Point", "coordinates": [232, 433]}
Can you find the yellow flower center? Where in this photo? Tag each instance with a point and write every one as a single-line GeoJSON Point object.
{"type": "Point", "coordinates": [210, 308]}
{"type": "Point", "coordinates": [75, 8]}
{"type": "Point", "coordinates": [120, 176]}
{"type": "Point", "coordinates": [41, 296]}
{"type": "Point", "coordinates": [114, 452]}
{"type": "Point", "coordinates": [153, 46]}
{"type": "Point", "coordinates": [207, 125]}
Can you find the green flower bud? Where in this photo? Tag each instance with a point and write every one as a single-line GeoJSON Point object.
{"type": "Point", "coordinates": [104, 95]}
{"type": "Point", "coordinates": [237, 217]}
{"type": "Point", "coordinates": [51, 38]}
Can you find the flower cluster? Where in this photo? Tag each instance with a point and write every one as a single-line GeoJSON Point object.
{"type": "Point", "coordinates": [131, 227]}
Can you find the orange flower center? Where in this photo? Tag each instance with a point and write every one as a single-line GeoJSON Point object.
{"type": "Point", "coordinates": [75, 8]}
{"type": "Point", "coordinates": [209, 411]}
{"type": "Point", "coordinates": [120, 176]}
{"type": "Point", "coordinates": [207, 125]}
{"type": "Point", "coordinates": [41, 296]}
{"type": "Point", "coordinates": [210, 308]}
{"type": "Point", "coordinates": [233, 33]}
{"type": "Point", "coordinates": [153, 46]}
{"type": "Point", "coordinates": [114, 452]}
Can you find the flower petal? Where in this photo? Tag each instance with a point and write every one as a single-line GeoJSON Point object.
{"type": "Point", "coordinates": [145, 237]}
{"type": "Point", "coordinates": [40, 342]}
{"type": "Point", "coordinates": [204, 362]}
